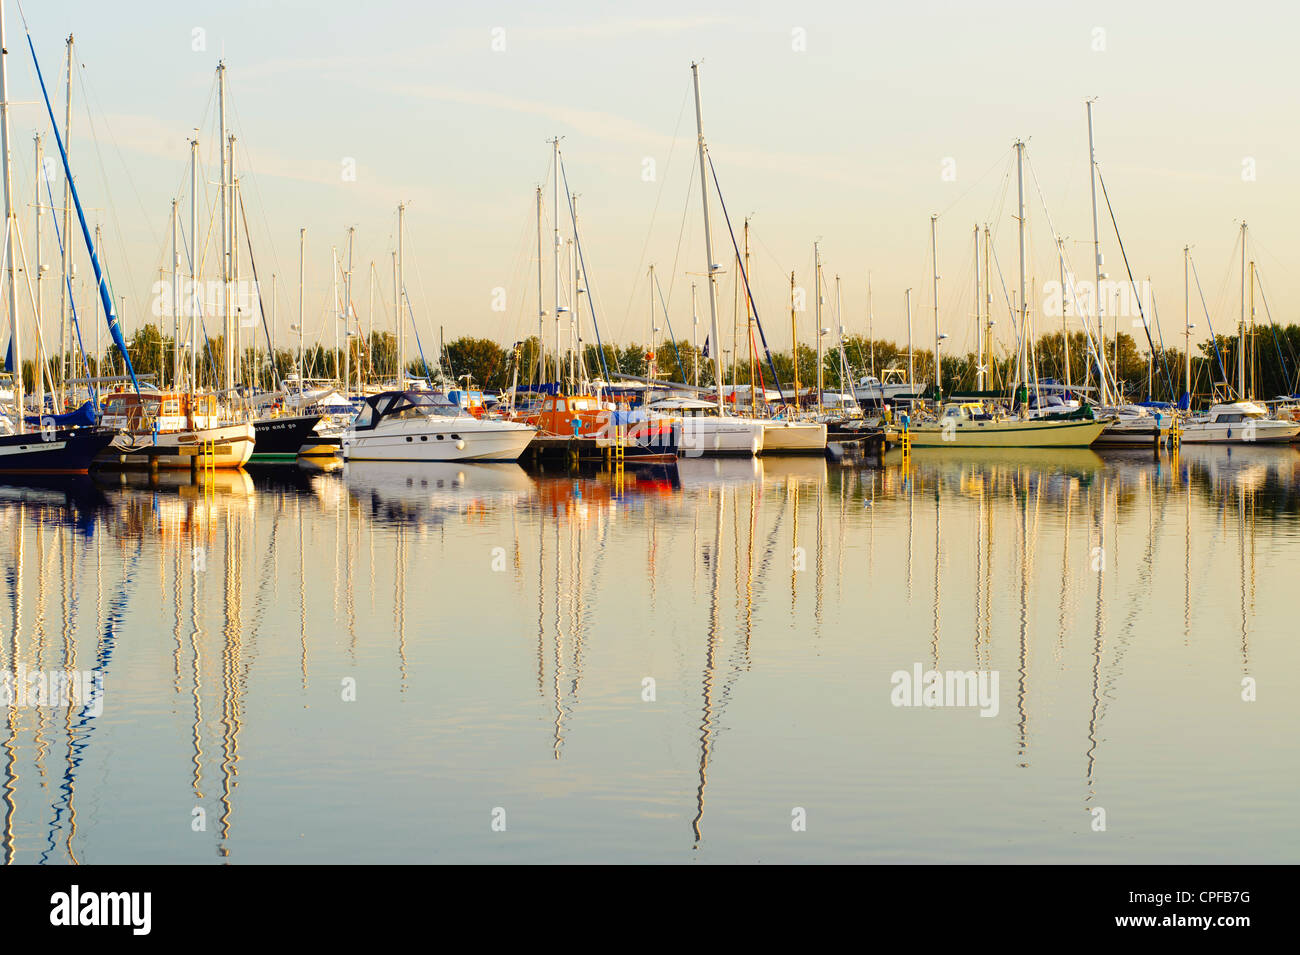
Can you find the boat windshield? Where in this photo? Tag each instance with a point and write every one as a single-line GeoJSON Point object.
{"type": "Point", "coordinates": [417, 404]}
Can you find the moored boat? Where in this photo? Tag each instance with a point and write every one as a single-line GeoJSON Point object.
{"type": "Point", "coordinates": [425, 426]}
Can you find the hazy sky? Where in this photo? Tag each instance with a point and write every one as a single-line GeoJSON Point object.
{"type": "Point", "coordinates": [843, 140]}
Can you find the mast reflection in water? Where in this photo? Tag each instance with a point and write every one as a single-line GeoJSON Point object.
{"type": "Point", "coordinates": [467, 663]}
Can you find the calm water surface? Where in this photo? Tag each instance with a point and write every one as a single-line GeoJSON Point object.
{"type": "Point", "coordinates": [390, 663]}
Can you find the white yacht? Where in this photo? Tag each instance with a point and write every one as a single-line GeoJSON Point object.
{"type": "Point", "coordinates": [426, 426]}
{"type": "Point", "coordinates": [702, 431]}
{"type": "Point", "coordinates": [1238, 422]}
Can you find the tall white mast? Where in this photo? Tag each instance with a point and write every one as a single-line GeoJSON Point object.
{"type": "Point", "coordinates": [334, 297]}
{"type": "Point", "coordinates": [695, 336]}
{"type": "Point", "coordinates": [347, 317]}
{"type": "Point", "coordinates": [1103, 379]}
{"type": "Point", "coordinates": [399, 381]}
{"type": "Point", "coordinates": [1240, 335]}
{"type": "Point", "coordinates": [40, 299]}
{"type": "Point", "coordinates": [227, 318]}
{"type": "Point", "coordinates": [65, 321]}
{"type": "Point", "coordinates": [979, 319]}
{"type": "Point", "coordinates": [401, 295]}
{"type": "Point", "coordinates": [708, 237]}
{"type": "Point", "coordinates": [911, 372]}
{"type": "Point", "coordinates": [817, 287]}
{"type": "Point", "coordinates": [194, 300]}
{"type": "Point", "coordinates": [302, 281]}
{"type": "Point", "coordinates": [555, 245]}
{"type": "Point", "coordinates": [871, 328]}
{"type": "Point", "coordinates": [1022, 371]}
{"type": "Point", "coordinates": [934, 261]}
{"type": "Point", "coordinates": [575, 316]}
{"type": "Point", "coordinates": [541, 301]}
{"type": "Point", "coordinates": [1187, 328]}
{"type": "Point", "coordinates": [10, 245]}
{"type": "Point", "coordinates": [176, 295]}
{"type": "Point", "coordinates": [1065, 327]}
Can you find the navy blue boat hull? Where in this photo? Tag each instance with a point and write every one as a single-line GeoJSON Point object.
{"type": "Point", "coordinates": [56, 451]}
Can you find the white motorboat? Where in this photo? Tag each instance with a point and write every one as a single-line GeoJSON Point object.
{"type": "Point", "coordinates": [426, 426]}
{"type": "Point", "coordinates": [1238, 422]}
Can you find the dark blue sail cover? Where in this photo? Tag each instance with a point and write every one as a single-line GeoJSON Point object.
{"type": "Point", "coordinates": [86, 416]}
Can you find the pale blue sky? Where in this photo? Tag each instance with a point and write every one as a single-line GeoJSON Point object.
{"type": "Point", "coordinates": [843, 142]}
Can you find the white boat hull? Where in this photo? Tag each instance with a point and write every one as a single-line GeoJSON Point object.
{"type": "Point", "coordinates": [1262, 432]}
{"type": "Point", "coordinates": [231, 447]}
{"type": "Point", "coordinates": [707, 437]}
{"type": "Point", "coordinates": [794, 437]}
{"type": "Point", "coordinates": [433, 439]}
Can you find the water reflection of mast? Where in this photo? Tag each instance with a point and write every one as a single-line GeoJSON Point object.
{"type": "Point", "coordinates": [706, 724]}
{"type": "Point", "coordinates": [230, 661]}
{"type": "Point", "coordinates": [1098, 643]}
{"type": "Point", "coordinates": [934, 643]}
{"type": "Point", "coordinates": [10, 746]}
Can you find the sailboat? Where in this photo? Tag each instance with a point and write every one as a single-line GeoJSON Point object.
{"type": "Point", "coordinates": [1243, 421]}
{"type": "Point", "coordinates": [969, 424]}
{"type": "Point", "coordinates": [59, 447]}
{"type": "Point", "coordinates": [178, 427]}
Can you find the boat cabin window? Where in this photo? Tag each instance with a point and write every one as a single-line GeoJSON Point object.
{"type": "Point", "coordinates": [172, 406]}
{"type": "Point", "coordinates": [365, 418]}
{"type": "Point", "coordinates": [1230, 417]}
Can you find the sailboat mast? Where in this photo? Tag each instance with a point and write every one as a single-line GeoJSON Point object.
{"type": "Point", "coordinates": [1249, 338]}
{"type": "Point", "coordinates": [575, 315]}
{"type": "Point", "coordinates": [555, 245]}
{"type": "Point", "coordinates": [227, 319]}
{"type": "Point", "coordinates": [986, 352]}
{"type": "Point", "coordinates": [10, 245]}
{"type": "Point", "coordinates": [1022, 372]}
{"type": "Point", "coordinates": [650, 371]}
{"type": "Point", "coordinates": [708, 237]}
{"type": "Point", "coordinates": [871, 323]}
{"type": "Point", "coordinates": [398, 380]}
{"type": "Point", "coordinates": [911, 367]}
{"type": "Point", "coordinates": [979, 323]}
{"type": "Point", "coordinates": [1065, 330]}
{"type": "Point", "coordinates": [176, 295]}
{"type": "Point", "coordinates": [1103, 378]}
{"type": "Point", "coordinates": [817, 285]}
{"type": "Point", "coordinates": [1187, 328]}
{"type": "Point", "coordinates": [844, 365]}
{"type": "Point", "coordinates": [1240, 339]}
{"type": "Point", "coordinates": [370, 322]}
{"type": "Point", "coordinates": [347, 315]}
{"type": "Point", "coordinates": [66, 255]}
{"type": "Point", "coordinates": [541, 298]}
{"type": "Point", "coordinates": [334, 302]}
{"type": "Point", "coordinates": [400, 296]}
{"type": "Point", "coordinates": [302, 281]}
{"type": "Point", "coordinates": [194, 300]}
{"type": "Point", "coordinates": [695, 336]}
{"type": "Point", "coordinates": [794, 342]}
{"type": "Point", "coordinates": [40, 298]}
{"type": "Point", "coordinates": [934, 261]}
